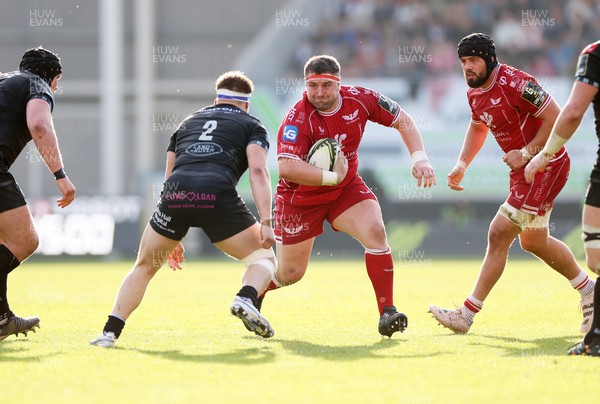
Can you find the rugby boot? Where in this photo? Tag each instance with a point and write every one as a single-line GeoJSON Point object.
{"type": "Point", "coordinates": [391, 321]}
{"type": "Point", "coordinates": [15, 325]}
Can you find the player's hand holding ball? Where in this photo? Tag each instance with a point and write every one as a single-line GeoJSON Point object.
{"type": "Point", "coordinates": [340, 167]}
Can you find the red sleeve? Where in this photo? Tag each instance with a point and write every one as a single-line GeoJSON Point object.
{"type": "Point", "coordinates": [474, 117]}
{"type": "Point", "coordinates": [382, 109]}
{"type": "Point", "coordinates": [529, 96]}
{"type": "Point", "coordinates": [294, 137]}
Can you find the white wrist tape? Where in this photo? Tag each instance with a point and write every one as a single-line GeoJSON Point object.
{"type": "Point", "coordinates": [461, 164]}
{"type": "Point", "coordinates": [419, 155]}
{"type": "Point", "coordinates": [329, 178]}
{"type": "Point", "coordinates": [525, 154]}
{"type": "Point", "coordinates": [554, 143]}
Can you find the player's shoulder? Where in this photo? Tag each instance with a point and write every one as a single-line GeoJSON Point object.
{"type": "Point", "coordinates": [298, 114]}
{"type": "Point", "coordinates": [512, 71]}
{"type": "Point", "coordinates": [358, 92]}
{"type": "Point", "coordinates": [18, 78]}
{"type": "Point", "coordinates": [592, 49]}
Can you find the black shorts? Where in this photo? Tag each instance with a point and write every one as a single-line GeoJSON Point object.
{"type": "Point", "coordinates": [208, 200]}
{"type": "Point", "coordinates": [11, 196]}
{"type": "Point", "coordinates": [592, 196]}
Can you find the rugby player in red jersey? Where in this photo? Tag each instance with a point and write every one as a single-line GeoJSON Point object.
{"type": "Point", "coordinates": [520, 113]}
{"type": "Point", "coordinates": [584, 93]}
{"type": "Point", "coordinates": [307, 195]}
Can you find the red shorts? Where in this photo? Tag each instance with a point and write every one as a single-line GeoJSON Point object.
{"type": "Point", "coordinates": [293, 224]}
{"type": "Point", "coordinates": [538, 197]}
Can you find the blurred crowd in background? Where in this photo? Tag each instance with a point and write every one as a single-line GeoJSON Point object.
{"type": "Point", "coordinates": [418, 38]}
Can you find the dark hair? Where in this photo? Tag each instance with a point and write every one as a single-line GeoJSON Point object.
{"type": "Point", "coordinates": [42, 62]}
{"type": "Point", "coordinates": [235, 80]}
{"type": "Point", "coordinates": [322, 64]}
{"type": "Point", "coordinates": [478, 44]}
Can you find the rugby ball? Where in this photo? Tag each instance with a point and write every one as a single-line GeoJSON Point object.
{"type": "Point", "coordinates": [323, 154]}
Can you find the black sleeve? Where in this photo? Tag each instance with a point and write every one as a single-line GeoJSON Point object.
{"type": "Point", "coordinates": [588, 68]}
{"type": "Point", "coordinates": [37, 88]}
{"type": "Point", "coordinates": [259, 136]}
{"type": "Point", "coordinates": [172, 143]}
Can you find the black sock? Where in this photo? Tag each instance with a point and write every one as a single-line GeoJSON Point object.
{"type": "Point", "coordinates": [595, 329]}
{"type": "Point", "coordinates": [249, 292]}
{"type": "Point", "coordinates": [8, 262]}
{"type": "Point", "coordinates": [114, 325]}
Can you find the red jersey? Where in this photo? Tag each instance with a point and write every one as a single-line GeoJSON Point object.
{"type": "Point", "coordinates": [510, 107]}
{"type": "Point", "coordinates": [304, 125]}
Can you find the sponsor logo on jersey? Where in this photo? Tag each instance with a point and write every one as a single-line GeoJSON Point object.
{"type": "Point", "coordinates": [351, 117]}
{"type": "Point", "coordinates": [291, 114]}
{"type": "Point", "coordinates": [519, 196]}
{"type": "Point", "coordinates": [353, 91]}
{"type": "Point", "coordinates": [290, 133]}
{"type": "Point", "coordinates": [204, 149]}
{"type": "Point", "coordinates": [495, 101]}
{"type": "Point", "coordinates": [534, 94]}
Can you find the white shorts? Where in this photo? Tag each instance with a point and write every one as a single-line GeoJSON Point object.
{"type": "Point", "coordinates": [524, 220]}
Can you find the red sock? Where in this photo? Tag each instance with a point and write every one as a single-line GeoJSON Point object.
{"type": "Point", "coordinates": [380, 267]}
{"type": "Point", "coordinates": [271, 286]}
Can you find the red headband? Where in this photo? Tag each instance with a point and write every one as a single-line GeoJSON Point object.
{"type": "Point", "coordinates": [323, 76]}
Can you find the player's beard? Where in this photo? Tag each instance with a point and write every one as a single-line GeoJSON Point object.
{"type": "Point", "coordinates": [478, 80]}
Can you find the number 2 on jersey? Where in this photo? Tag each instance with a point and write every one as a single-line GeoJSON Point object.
{"type": "Point", "coordinates": [208, 127]}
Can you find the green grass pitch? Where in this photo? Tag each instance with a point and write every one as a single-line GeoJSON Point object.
{"type": "Point", "coordinates": [183, 346]}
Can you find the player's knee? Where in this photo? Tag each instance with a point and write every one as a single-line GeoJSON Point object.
{"type": "Point", "coordinates": [27, 246]}
{"type": "Point", "coordinates": [376, 235]}
{"type": "Point", "coordinates": [264, 257]}
{"type": "Point", "coordinates": [495, 236]}
{"type": "Point", "coordinates": [33, 244]}
{"type": "Point", "coordinates": [290, 274]}
{"type": "Point", "coordinates": [532, 245]}
{"type": "Point", "coordinates": [148, 265]}
{"type": "Point", "coordinates": [593, 265]}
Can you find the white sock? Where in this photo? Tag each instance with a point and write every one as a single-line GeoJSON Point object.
{"type": "Point", "coordinates": [472, 306]}
{"type": "Point", "coordinates": [583, 284]}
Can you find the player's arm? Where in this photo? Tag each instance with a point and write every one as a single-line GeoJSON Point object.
{"type": "Point", "coordinates": [41, 127]}
{"type": "Point", "coordinates": [170, 164]}
{"type": "Point", "coordinates": [568, 121]}
{"type": "Point", "coordinates": [517, 158]}
{"type": "Point", "coordinates": [260, 183]}
{"type": "Point", "coordinates": [300, 172]}
{"type": "Point", "coordinates": [474, 140]}
{"type": "Point", "coordinates": [421, 169]}
{"type": "Point", "coordinates": [570, 116]}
